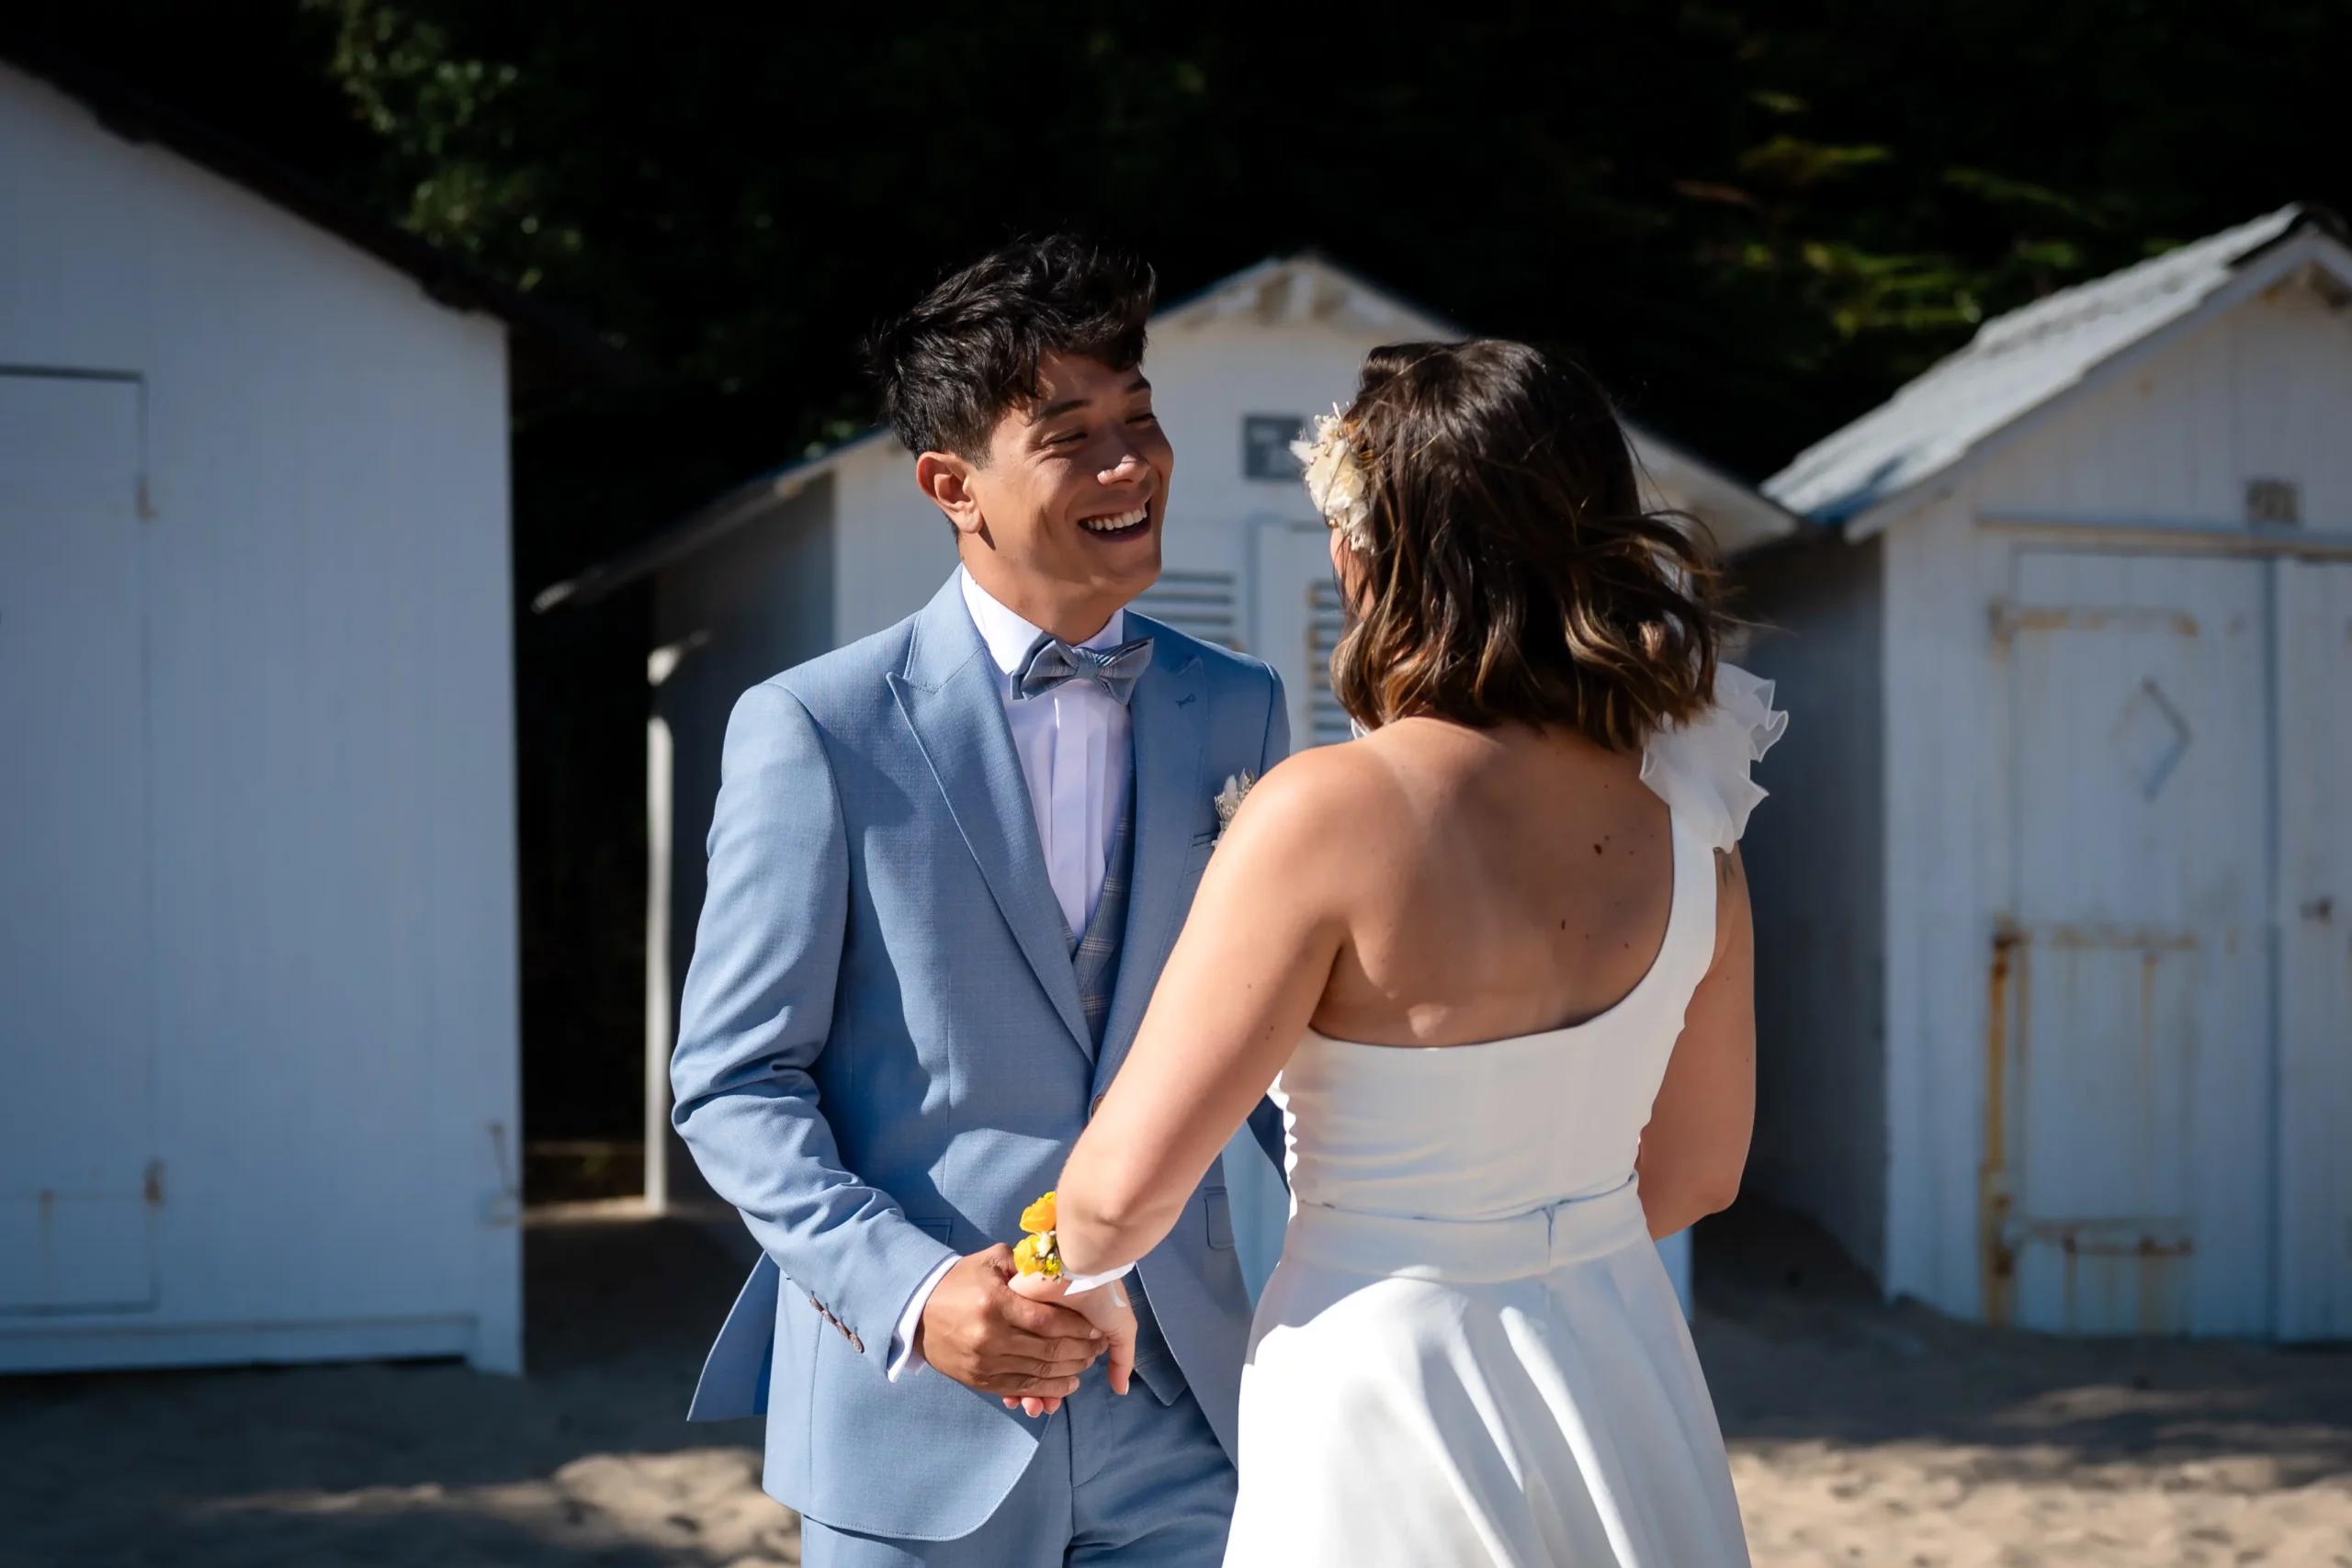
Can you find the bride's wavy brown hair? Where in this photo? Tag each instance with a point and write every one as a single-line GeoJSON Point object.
{"type": "Point", "coordinates": [1514, 575]}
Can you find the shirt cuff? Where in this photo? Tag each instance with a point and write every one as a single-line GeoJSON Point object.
{"type": "Point", "coordinates": [904, 1353]}
{"type": "Point", "coordinates": [1078, 1284]}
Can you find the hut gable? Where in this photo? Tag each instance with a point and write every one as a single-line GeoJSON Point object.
{"type": "Point", "coordinates": [2224, 423]}
{"type": "Point", "coordinates": [2025, 363]}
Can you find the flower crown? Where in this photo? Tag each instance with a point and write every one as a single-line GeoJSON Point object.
{"type": "Point", "coordinates": [1339, 481]}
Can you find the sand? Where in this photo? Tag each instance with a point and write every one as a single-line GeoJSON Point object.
{"type": "Point", "coordinates": [1861, 1433]}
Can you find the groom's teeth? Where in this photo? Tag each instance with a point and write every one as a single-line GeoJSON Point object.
{"type": "Point", "coordinates": [1112, 524]}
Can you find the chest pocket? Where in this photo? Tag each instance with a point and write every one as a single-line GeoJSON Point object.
{"type": "Point", "coordinates": [1197, 861]}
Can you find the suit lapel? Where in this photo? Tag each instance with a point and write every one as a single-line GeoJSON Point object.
{"type": "Point", "coordinates": [950, 699]}
{"type": "Point", "coordinates": [1168, 714]}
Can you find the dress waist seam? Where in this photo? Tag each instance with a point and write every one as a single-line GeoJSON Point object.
{"type": "Point", "coordinates": [1575, 1230]}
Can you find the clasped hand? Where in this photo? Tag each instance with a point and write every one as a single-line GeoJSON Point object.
{"type": "Point", "coordinates": [995, 1330]}
{"type": "Point", "coordinates": [1105, 1309]}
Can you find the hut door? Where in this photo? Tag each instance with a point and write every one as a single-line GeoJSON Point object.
{"type": "Point", "coordinates": [1297, 623]}
{"type": "Point", "coordinates": [2139, 1081]}
{"type": "Point", "coordinates": [2315, 951]}
{"type": "Point", "coordinates": [75, 1184]}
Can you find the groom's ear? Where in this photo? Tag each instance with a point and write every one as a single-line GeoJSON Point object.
{"type": "Point", "coordinates": [947, 479]}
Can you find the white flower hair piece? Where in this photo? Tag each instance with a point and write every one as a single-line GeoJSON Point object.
{"type": "Point", "coordinates": [1338, 481]}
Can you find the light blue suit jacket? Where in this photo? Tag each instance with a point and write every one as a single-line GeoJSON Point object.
{"type": "Point", "coordinates": [881, 1057]}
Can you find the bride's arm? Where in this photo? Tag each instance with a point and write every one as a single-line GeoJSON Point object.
{"type": "Point", "coordinates": [1244, 979]}
{"type": "Point", "coordinates": [1696, 1144]}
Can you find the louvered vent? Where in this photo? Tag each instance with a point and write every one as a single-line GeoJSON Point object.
{"type": "Point", "coordinates": [1199, 603]}
{"type": "Point", "coordinates": [1324, 622]}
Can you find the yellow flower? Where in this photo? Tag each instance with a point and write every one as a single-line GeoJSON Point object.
{"type": "Point", "coordinates": [1039, 1215]}
{"type": "Point", "coordinates": [1034, 1256]}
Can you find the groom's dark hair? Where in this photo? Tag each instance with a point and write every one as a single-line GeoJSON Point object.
{"type": "Point", "coordinates": [951, 368]}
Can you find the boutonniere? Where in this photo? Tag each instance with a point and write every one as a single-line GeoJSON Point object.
{"type": "Point", "coordinates": [1228, 799]}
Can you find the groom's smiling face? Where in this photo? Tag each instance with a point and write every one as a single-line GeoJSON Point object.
{"type": "Point", "coordinates": [1061, 523]}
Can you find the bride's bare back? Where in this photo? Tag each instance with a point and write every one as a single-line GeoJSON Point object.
{"type": "Point", "coordinates": [1506, 882]}
{"type": "Point", "coordinates": [1486, 864]}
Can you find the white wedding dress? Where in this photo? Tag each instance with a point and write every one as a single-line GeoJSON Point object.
{"type": "Point", "coordinates": [1470, 1352]}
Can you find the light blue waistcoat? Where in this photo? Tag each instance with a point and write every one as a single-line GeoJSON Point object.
{"type": "Point", "coordinates": [886, 1049]}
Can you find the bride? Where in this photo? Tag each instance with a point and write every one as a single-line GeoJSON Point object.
{"type": "Point", "coordinates": [1494, 960]}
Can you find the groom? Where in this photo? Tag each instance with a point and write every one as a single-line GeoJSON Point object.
{"type": "Point", "coordinates": [946, 864]}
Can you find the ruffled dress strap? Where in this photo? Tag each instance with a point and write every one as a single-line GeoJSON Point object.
{"type": "Point", "coordinates": [1700, 769]}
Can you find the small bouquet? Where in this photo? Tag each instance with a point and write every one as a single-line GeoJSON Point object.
{"type": "Point", "coordinates": [1037, 1252]}
{"type": "Point", "coordinates": [1039, 1274]}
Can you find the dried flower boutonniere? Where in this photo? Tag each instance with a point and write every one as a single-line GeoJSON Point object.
{"type": "Point", "coordinates": [1228, 799]}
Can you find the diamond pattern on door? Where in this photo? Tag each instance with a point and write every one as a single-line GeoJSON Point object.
{"type": "Point", "coordinates": [2149, 738]}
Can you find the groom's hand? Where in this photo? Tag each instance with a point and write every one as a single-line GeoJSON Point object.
{"type": "Point", "coordinates": [979, 1331]}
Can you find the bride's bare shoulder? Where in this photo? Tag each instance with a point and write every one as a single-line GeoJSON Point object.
{"type": "Point", "coordinates": [1329, 794]}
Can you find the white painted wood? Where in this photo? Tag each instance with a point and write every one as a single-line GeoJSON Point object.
{"type": "Point", "coordinates": [892, 547]}
{"type": "Point", "coordinates": [1206, 380]}
{"type": "Point", "coordinates": [70, 1345]}
{"type": "Point", "coordinates": [1206, 605]}
{"type": "Point", "coordinates": [2140, 1054]}
{"type": "Point", "coordinates": [660, 819]}
{"type": "Point", "coordinates": [1940, 802]}
{"type": "Point", "coordinates": [76, 1127]}
{"type": "Point", "coordinates": [2312, 264]}
{"type": "Point", "coordinates": [1289, 563]}
{"type": "Point", "coordinates": [2314, 922]}
{"type": "Point", "coordinates": [330, 968]}
{"type": "Point", "coordinates": [2260, 391]}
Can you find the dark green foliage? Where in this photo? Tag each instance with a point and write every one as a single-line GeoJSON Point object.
{"type": "Point", "coordinates": [1752, 221]}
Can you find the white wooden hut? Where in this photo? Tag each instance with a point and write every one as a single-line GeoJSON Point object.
{"type": "Point", "coordinates": [2053, 914]}
{"type": "Point", "coordinates": [827, 550]}
{"type": "Point", "coordinates": [258, 1051]}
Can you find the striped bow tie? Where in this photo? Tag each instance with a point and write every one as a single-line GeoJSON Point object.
{"type": "Point", "coordinates": [1050, 662]}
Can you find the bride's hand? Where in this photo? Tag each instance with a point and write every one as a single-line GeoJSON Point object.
{"type": "Point", "coordinates": [1104, 1306]}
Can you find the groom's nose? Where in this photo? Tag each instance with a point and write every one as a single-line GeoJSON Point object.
{"type": "Point", "coordinates": [1127, 466]}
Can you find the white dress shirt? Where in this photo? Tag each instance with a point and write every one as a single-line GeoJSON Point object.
{"type": "Point", "coordinates": [1073, 743]}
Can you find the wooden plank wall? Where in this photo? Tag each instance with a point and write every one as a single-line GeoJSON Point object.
{"type": "Point", "coordinates": [332, 945]}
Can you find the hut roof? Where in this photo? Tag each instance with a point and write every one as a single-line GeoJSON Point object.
{"type": "Point", "coordinates": [2018, 363]}
{"type": "Point", "coordinates": [553, 348]}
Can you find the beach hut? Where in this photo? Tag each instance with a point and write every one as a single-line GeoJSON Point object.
{"type": "Point", "coordinates": [828, 549]}
{"type": "Point", "coordinates": [2053, 915]}
{"type": "Point", "coordinates": [258, 1049]}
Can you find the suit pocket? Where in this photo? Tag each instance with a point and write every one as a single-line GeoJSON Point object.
{"type": "Point", "coordinates": [1220, 1214]}
{"type": "Point", "coordinates": [938, 1230]}
{"type": "Point", "coordinates": [1197, 861]}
